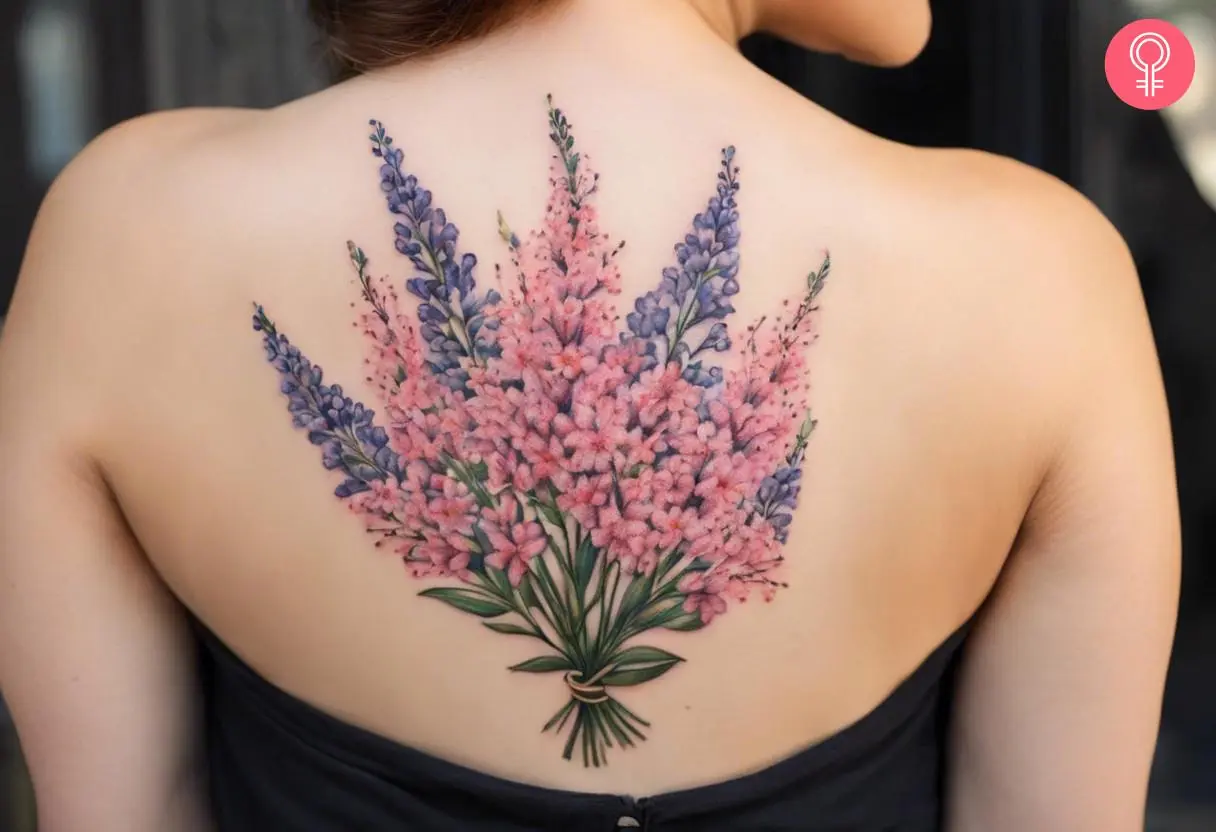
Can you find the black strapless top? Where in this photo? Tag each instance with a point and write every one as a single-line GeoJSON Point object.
{"type": "Point", "coordinates": [280, 765]}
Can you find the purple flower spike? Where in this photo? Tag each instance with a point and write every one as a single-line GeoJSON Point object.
{"type": "Point", "coordinates": [454, 320]}
{"type": "Point", "coordinates": [344, 429]}
{"type": "Point", "coordinates": [698, 290]}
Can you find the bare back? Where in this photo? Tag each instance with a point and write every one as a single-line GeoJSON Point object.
{"type": "Point", "coordinates": [676, 411]}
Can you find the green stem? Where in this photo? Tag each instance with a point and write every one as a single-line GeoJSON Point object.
{"type": "Point", "coordinates": [613, 722]}
{"type": "Point", "coordinates": [606, 608]}
{"type": "Point", "coordinates": [574, 604]}
{"type": "Point", "coordinates": [631, 715]}
{"type": "Point", "coordinates": [559, 719]}
{"type": "Point", "coordinates": [612, 640]}
{"type": "Point", "coordinates": [666, 616]}
{"type": "Point", "coordinates": [456, 320]}
{"type": "Point", "coordinates": [549, 590]}
{"type": "Point", "coordinates": [587, 732]}
{"type": "Point", "coordinates": [624, 628]}
{"type": "Point", "coordinates": [466, 477]}
{"type": "Point", "coordinates": [520, 609]}
{"type": "Point", "coordinates": [600, 587]}
{"type": "Point", "coordinates": [575, 730]}
{"type": "Point", "coordinates": [596, 728]}
{"type": "Point", "coordinates": [686, 311]}
{"type": "Point", "coordinates": [575, 592]}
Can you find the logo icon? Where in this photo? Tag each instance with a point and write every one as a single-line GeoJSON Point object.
{"type": "Point", "coordinates": [1151, 81]}
{"type": "Point", "coordinates": [1150, 64]}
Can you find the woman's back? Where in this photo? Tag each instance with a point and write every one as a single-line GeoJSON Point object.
{"type": "Point", "coordinates": [570, 507]}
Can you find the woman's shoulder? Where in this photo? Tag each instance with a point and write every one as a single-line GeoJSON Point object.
{"type": "Point", "coordinates": [136, 177]}
{"type": "Point", "coordinates": [158, 137]}
{"type": "Point", "coordinates": [994, 229]}
{"type": "Point", "coordinates": [979, 285]}
{"type": "Point", "coordinates": [141, 189]}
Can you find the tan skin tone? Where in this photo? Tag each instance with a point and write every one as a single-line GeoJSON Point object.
{"type": "Point", "coordinates": [992, 427]}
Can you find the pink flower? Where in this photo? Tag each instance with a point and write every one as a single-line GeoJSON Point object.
{"type": "Point", "coordinates": [546, 456]}
{"type": "Point", "coordinates": [442, 556]}
{"type": "Point", "coordinates": [721, 484]}
{"type": "Point", "coordinates": [676, 526]}
{"type": "Point", "coordinates": [584, 498]}
{"type": "Point", "coordinates": [621, 538]}
{"type": "Point", "coordinates": [384, 497]}
{"type": "Point", "coordinates": [637, 449]}
{"type": "Point", "coordinates": [523, 479]}
{"type": "Point", "coordinates": [514, 541]}
{"type": "Point", "coordinates": [513, 553]}
{"type": "Point", "coordinates": [597, 432]}
{"type": "Point", "coordinates": [703, 593]}
{"type": "Point", "coordinates": [661, 391]}
{"type": "Point", "coordinates": [453, 509]}
{"type": "Point", "coordinates": [569, 362]}
{"type": "Point", "coordinates": [592, 450]}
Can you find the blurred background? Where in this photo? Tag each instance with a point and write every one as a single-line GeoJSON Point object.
{"type": "Point", "coordinates": [1023, 78]}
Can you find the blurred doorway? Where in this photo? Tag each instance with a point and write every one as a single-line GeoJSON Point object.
{"type": "Point", "coordinates": [68, 69]}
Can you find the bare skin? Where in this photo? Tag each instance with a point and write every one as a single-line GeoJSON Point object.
{"type": "Point", "coordinates": [992, 426]}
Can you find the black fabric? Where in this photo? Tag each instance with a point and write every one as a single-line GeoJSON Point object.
{"type": "Point", "coordinates": [280, 765]}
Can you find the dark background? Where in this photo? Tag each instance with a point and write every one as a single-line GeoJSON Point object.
{"type": "Point", "coordinates": [1019, 77]}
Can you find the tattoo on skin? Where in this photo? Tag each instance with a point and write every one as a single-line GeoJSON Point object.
{"type": "Point", "coordinates": [557, 472]}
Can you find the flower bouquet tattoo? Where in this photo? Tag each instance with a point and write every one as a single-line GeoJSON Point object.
{"type": "Point", "coordinates": [569, 479]}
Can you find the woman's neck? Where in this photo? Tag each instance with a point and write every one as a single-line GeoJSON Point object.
{"type": "Point", "coordinates": [731, 20]}
{"type": "Point", "coordinates": [641, 35]}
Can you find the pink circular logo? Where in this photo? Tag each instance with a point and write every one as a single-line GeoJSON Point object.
{"type": "Point", "coordinates": [1150, 64]}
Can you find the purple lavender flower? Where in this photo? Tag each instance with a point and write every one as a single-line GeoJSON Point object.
{"type": "Point", "coordinates": [699, 288]}
{"type": "Point", "coordinates": [344, 429]}
{"type": "Point", "coordinates": [778, 497]}
{"type": "Point", "coordinates": [454, 321]}
{"type": "Point", "coordinates": [700, 375]}
{"type": "Point", "coordinates": [778, 494]}
{"type": "Point", "coordinates": [649, 317]}
{"type": "Point", "coordinates": [717, 340]}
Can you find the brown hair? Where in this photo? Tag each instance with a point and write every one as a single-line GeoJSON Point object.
{"type": "Point", "coordinates": [367, 34]}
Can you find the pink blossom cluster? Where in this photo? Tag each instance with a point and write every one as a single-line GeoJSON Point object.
{"type": "Point", "coordinates": [574, 418]}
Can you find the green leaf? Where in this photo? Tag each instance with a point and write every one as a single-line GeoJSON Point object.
{"type": "Point", "coordinates": [499, 579]}
{"type": "Point", "coordinates": [466, 600]}
{"type": "Point", "coordinates": [639, 664]}
{"type": "Point", "coordinates": [669, 563]}
{"type": "Point", "coordinates": [483, 542]}
{"type": "Point", "coordinates": [544, 664]}
{"type": "Point", "coordinates": [551, 514]}
{"type": "Point", "coordinates": [584, 565]}
{"type": "Point", "coordinates": [642, 655]}
{"type": "Point", "coordinates": [527, 593]}
{"type": "Point", "coordinates": [659, 614]}
{"type": "Point", "coordinates": [508, 629]}
{"type": "Point", "coordinates": [629, 678]}
{"type": "Point", "coordinates": [637, 594]}
{"type": "Point", "coordinates": [687, 623]}
{"type": "Point", "coordinates": [480, 471]}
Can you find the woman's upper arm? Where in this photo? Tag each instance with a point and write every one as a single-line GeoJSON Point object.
{"type": "Point", "coordinates": [95, 659]}
{"type": "Point", "coordinates": [1060, 694]}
